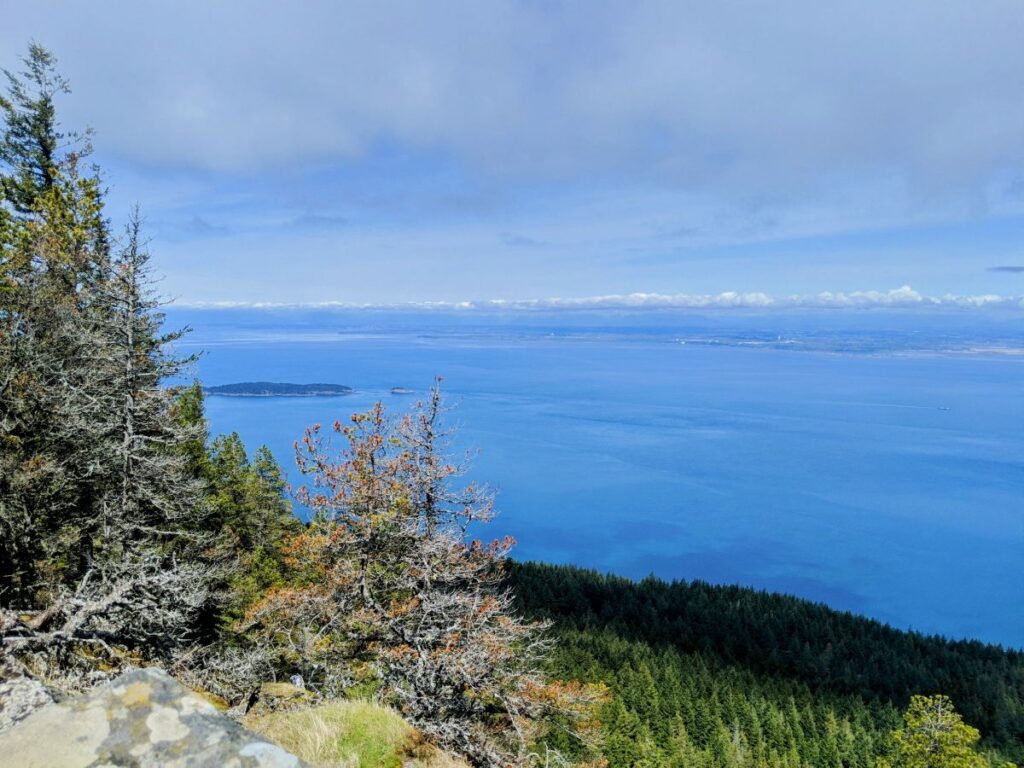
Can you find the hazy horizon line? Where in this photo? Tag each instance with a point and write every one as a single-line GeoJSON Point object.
{"type": "Point", "coordinates": [904, 297]}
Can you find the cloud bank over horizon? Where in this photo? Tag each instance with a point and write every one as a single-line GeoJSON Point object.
{"type": "Point", "coordinates": [904, 297]}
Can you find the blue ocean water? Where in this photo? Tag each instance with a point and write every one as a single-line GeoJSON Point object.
{"type": "Point", "coordinates": [875, 471]}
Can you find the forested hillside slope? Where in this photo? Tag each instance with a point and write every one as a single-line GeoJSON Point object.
{"type": "Point", "coordinates": [736, 672]}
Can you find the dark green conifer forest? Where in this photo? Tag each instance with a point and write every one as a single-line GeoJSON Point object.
{"type": "Point", "coordinates": [729, 676]}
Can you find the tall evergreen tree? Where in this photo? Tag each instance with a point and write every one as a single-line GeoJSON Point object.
{"type": "Point", "coordinates": [118, 566]}
{"type": "Point", "coordinates": [150, 482]}
{"type": "Point", "coordinates": [250, 520]}
{"type": "Point", "coordinates": [51, 377]}
{"type": "Point", "coordinates": [32, 141]}
{"type": "Point", "coordinates": [98, 512]}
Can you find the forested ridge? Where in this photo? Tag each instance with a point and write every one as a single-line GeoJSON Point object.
{"type": "Point", "coordinates": [673, 643]}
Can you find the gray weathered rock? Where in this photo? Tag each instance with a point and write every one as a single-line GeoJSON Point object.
{"type": "Point", "coordinates": [19, 698]}
{"type": "Point", "coordinates": [143, 719]}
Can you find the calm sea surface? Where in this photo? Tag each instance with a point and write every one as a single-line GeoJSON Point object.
{"type": "Point", "coordinates": [887, 483]}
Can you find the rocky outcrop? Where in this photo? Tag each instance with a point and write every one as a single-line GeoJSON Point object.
{"type": "Point", "coordinates": [143, 719]}
{"type": "Point", "coordinates": [19, 698]}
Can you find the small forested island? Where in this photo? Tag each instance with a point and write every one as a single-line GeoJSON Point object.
{"type": "Point", "coordinates": [278, 389]}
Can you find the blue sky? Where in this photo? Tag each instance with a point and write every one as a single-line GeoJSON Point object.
{"type": "Point", "coordinates": [398, 152]}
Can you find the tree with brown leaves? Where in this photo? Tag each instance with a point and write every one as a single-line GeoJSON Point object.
{"type": "Point", "coordinates": [390, 591]}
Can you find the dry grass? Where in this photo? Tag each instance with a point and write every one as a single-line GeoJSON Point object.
{"type": "Point", "coordinates": [350, 734]}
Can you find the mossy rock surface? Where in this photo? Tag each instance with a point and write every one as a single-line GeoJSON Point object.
{"type": "Point", "coordinates": [143, 719]}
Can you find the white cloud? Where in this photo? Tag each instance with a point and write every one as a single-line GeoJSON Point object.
{"type": "Point", "coordinates": [904, 297]}
{"type": "Point", "coordinates": [767, 98]}
{"type": "Point", "coordinates": [514, 148]}
{"type": "Point", "coordinates": [898, 297]}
